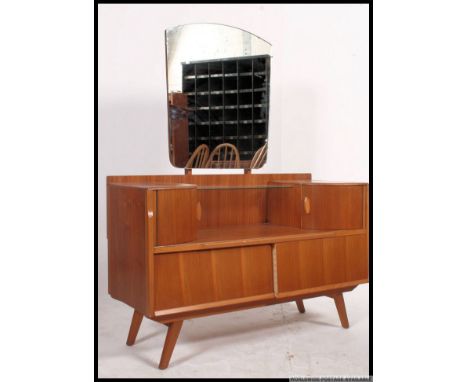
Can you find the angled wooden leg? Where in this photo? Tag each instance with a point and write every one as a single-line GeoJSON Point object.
{"type": "Point", "coordinates": [171, 339]}
{"type": "Point", "coordinates": [300, 306]}
{"type": "Point", "coordinates": [134, 327]}
{"type": "Point", "coordinates": [340, 306]}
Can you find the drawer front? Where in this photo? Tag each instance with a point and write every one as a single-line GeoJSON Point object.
{"type": "Point", "coordinates": [192, 278]}
{"type": "Point", "coordinates": [313, 263]}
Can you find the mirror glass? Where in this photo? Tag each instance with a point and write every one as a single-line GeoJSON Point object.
{"type": "Point", "coordinates": [218, 84]}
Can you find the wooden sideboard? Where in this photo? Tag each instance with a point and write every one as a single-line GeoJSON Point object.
{"type": "Point", "coordinates": [186, 246]}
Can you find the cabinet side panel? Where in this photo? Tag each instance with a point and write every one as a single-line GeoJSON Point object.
{"type": "Point", "coordinates": [126, 246]}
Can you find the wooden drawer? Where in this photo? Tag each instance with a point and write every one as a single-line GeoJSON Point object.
{"type": "Point", "coordinates": [192, 278]}
{"type": "Point", "coordinates": [313, 263]}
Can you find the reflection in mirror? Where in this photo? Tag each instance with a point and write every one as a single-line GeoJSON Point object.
{"type": "Point", "coordinates": [218, 82]}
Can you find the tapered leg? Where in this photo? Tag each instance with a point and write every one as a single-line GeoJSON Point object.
{"type": "Point", "coordinates": [171, 339]}
{"type": "Point", "coordinates": [340, 306]}
{"type": "Point", "coordinates": [300, 306]}
{"type": "Point", "coordinates": [134, 327]}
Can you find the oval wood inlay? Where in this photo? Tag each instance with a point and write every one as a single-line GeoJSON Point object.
{"type": "Point", "coordinates": [199, 211]}
{"type": "Point", "coordinates": [307, 205]}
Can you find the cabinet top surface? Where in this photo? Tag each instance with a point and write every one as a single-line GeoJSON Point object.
{"type": "Point", "coordinates": [203, 180]}
{"type": "Point", "coordinates": [154, 186]}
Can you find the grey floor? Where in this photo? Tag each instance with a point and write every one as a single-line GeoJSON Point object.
{"type": "Point", "coordinates": [274, 341]}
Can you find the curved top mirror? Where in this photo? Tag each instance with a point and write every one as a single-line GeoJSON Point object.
{"type": "Point", "coordinates": [218, 85]}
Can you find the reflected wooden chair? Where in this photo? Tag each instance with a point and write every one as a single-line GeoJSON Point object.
{"type": "Point", "coordinates": [224, 155]}
{"type": "Point", "coordinates": [259, 158]}
{"type": "Point", "coordinates": [199, 157]}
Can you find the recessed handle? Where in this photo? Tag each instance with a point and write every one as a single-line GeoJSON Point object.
{"type": "Point", "coordinates": [307, 205]}
{"type": "Point", "coordinates": [150, 214]}
{"type": "Point", "coordinates": [199, 211]}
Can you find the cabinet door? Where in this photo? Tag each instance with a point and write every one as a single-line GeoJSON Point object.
{"type": "Point", "coordinates": [176, 220]}
{"type": "Point", "coordinates": [334, 206]}
{"type": "Point", "coordinates": [193, 278]}
{"type": "Point", "coordinates": [315, 263]}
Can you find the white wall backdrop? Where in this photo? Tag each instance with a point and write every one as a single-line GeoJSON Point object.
{"type": "Point", "coordinates": [319, 111]}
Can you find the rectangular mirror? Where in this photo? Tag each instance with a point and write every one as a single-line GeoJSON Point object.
{"type": "Point", "coordinates": [218, 85]}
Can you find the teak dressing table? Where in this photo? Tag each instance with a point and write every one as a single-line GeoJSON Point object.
{"type": "Point", "coordinates": [186, 246]}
